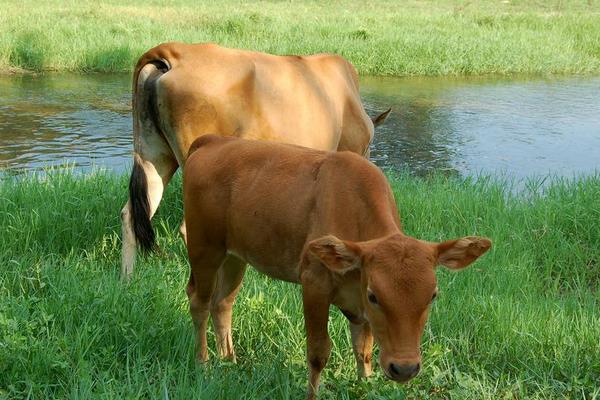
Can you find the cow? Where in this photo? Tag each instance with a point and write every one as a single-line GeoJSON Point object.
{"type": "Point", "coordinates": [183, 90]}
{"type": "Point", "coordinates": [325, 220]}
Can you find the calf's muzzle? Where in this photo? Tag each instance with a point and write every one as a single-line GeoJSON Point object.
{"type": "Point", "coordinates": [402, 372]}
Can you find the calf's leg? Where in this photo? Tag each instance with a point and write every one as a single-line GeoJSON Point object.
{"type": "Point", "coordinates": [316, 315]}
{"type": "Point", "coordinates": [362, 345]}
{"type": "Point", "coordinates": [229, 281]}
{"type": "Point", "coordinates": [200, 289]}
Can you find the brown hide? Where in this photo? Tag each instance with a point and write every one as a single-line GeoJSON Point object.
{"type": "Point", "coordinates": [182, 91]}
{"type": "Point", "coordinates": [208, 88]}
{"type": "Point", "coordinates": [325, 220]}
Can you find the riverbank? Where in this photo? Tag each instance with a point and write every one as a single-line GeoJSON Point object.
{"type": "Point", "coordinates": [379, 37]}
{"type": "Point", "coordinates": [521, 323]}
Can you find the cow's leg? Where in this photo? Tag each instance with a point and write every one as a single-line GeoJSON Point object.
{"type": "Point", "coordinates": [200, 289]}
{"type": "Point", "coordinates": [128, 242]}
{"type": "Point", "coordinates": [156, 166]}
{"type": "Point", "coordinates": [229, 281]}
{"type": "Point", "coordinates": [316, 314]}
{"type": "Point", "coordinates": [362, 345]}
{"type": "Point", "coordinates": [154, 163]}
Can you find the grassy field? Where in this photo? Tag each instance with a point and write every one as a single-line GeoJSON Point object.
{"type": "Point", "coordinates": [522, 323]}
{"type": "Point", "coordinates": [380, 37]}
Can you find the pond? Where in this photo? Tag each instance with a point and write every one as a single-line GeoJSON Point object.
{"type": "Point", "coordinates": [516, 127]}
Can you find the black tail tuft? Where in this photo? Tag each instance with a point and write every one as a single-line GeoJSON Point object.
{"type": "Point", "coordinates": [140, 208]}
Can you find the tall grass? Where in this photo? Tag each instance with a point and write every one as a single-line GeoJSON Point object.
{"type": "Point", "coordinates": [522, 323]}
{"type": "Point", "coordinates": [381, 37]}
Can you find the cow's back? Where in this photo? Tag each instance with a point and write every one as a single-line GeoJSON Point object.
{"type": "Point", "coordinates": [311, 101]}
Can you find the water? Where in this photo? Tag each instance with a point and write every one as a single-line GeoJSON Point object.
{"type": "Point", "coordinates": [511, 126]}
{"type": "Point", "coordinates": [515, 127]}
{"type": "Point", "coordinates": [52, 119]}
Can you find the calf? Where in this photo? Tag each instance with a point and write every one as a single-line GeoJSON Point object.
{"type": "Point", "coordinates": [325, 220]}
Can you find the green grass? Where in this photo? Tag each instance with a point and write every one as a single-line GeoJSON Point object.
{"type": "Point", "coordinates": [380, 37]}
{"type": "Point", "coordinates": [522, 323]}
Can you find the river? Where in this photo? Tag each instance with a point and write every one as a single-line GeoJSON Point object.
{"type": "Point", "coordinates": [509, 126]}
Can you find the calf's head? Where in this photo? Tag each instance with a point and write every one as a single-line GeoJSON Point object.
{"type": "Point", "coordinates": [397, 286]}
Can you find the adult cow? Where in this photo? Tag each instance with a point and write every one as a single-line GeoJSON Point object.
{"type": "Point", "coordinates": [181, 91]}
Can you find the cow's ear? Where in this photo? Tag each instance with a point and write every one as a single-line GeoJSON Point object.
{"type": "Point", "coordinates": [380, 119]}
{"type": "Point", "coordinates": [339, 256]}
{"type": "Point", "coordinates": [459, 253]}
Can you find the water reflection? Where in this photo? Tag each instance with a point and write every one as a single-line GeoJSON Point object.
{"type": "Point", "coordinates": [515, 126]}
{"type": "Point", "coordinates": [50, 119]}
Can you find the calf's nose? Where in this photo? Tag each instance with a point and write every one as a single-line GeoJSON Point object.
{"type": "Point", "coordinates": [404, 372]}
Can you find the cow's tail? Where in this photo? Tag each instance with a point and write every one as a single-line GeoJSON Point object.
{"type": "Point", "coordinates": [149, 68]}
{"type": "Point", "coordinates": [140, 207]}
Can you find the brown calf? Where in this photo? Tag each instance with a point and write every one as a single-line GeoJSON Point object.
{"type": "Point", "coordinates": [322, 219]}
{"type": "Point", "coordinates": [183, 90]}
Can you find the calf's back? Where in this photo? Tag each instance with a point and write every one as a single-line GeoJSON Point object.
{"type": "Point", "coordinates": [264, 201]}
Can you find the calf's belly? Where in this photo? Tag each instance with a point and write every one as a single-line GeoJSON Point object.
{"type": "Point", "coordinates": [282, 270]}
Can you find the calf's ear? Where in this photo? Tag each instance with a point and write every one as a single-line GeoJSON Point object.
{"type": "Point", "coordinates": [459, 253]}
{"type": "Point", "coordinates": [340, 256]}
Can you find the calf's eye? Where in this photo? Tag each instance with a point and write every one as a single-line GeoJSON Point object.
{"type": "Point", "coordinates": [371, 297]}
{"type": "Point", "coordinates": [434, 296]}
